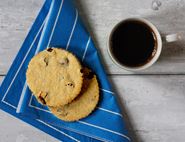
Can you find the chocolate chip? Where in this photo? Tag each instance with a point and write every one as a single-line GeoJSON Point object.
{"type": "Point", "coordinates": [46, 95]}
{"type": "Point", "coordinates": [71, 84]}
{"type": "Point", "coordinates": [49, 49]}
{"type": "Point", "coordinates": [46, 60]}
{"type": "Point", "coordinates": [42, 100]}
{"type": "Point", "coordinates": [64, 62]}
{"type": "Point", "coordinates": [82, 70]}
{"type": "Point", "coordinates": [90, 75]}
{"type": "Point", "coordinates": [87, 74]}
{"type": "Point", "coordinates": [42, 97]}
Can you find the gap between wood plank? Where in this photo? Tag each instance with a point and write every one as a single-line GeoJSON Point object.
{"type": "Point", "coordinates": [180, 74]}
{"type": "Point", "coordinates": [148, 74]}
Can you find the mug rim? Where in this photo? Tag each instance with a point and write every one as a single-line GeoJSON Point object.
{"type": "Point", "coordinates": [148, 64]}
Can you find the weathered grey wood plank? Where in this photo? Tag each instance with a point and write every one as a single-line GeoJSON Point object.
{"type": "Point", "coordinates": [14, 130]}
{"type": "Point", "coordinates": [100, 16]}
{"type": "Point", "coordinates": [154, 105]}
{"type": "Point", "coordinates": [16, 18]}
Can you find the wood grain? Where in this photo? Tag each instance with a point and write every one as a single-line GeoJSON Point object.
{"type": "Point", "coordinates": [100, 17]}
{"type": "Point", "coordinates": [16, 18]}
{"type": "Point", "coordinates": [153, 105]}
{"type": "Point", "coordinates": [14, 130]}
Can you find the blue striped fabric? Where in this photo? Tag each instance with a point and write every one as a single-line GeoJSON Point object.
{"type": "Point", "coordinates": [58, 25]}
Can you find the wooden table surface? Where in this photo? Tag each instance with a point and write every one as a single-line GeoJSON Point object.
{"type": "Point", "coordinates": [153, 100]}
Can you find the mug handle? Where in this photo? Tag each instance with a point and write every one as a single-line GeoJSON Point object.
{"type": "Point", "coordinates": [172, 37]}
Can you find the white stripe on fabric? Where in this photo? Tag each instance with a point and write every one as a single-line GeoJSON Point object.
{"type": "Point", "coordinates": [56, 20]}
{"type": "Point", "coordinates": [110, 92]}
{"type": "Point", "coordinates": [74, 25]}
{"type": "Point", "coordinates": [37, 50]}
{"type": "Point", "coordinates": [40, 108]}
{"type": "Point", "coordinates": [30, 99]}
{"type": "Point", "coordinates": [83, 57]}
{"type": "Point", "coordinates": [110, 111]}
{"type": "Point", "coordinates": [85, 134]}
{"type": "Point", "coordinates": [82, 121]}
{"type": "Point", "coordinates": [25, 86]}
{"type": "Point", "coordinates": [105, 129]}
{"type": "Point", "coordinates": [103, 109]}
{"type": "Point", "coordinates": [87, 45]}
{"type": "Point", "coordinates": [47, 19]}
{"type": "Point", "coordinates": [22, 63]}
{"type": "Point", "coordinates": [58, 130]}
{"type": "Point", "coordinates": [21, 98]}
{"type": "Point", "coordinates": [68, 128]}
{"type": "Point", "coordinates": [69, 40]}
{"type": "Point", "coordinates": [9, 104]}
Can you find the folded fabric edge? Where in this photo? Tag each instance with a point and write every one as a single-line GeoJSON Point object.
{"type": "Point", "coordinates": [43, 26]}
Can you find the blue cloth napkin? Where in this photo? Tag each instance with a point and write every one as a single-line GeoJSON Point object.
{"type": "Point", "coordinates": [58, 25]}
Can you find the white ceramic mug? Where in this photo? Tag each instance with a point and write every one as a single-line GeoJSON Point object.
{"type": "Point", "coordinates": [160, 40]}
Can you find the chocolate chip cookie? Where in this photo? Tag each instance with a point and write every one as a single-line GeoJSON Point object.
{"type": "Point", "coordinates": [54, 76]}
{"type": "Point", "coordinates": [85, 102]}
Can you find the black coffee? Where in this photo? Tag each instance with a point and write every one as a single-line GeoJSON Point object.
{"type": "Point", "coordinates": [133, 43]}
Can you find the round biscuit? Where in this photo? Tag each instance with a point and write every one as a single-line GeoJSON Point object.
{"type": "Point", "coordinates": [84, 104]}
{"type": "Point", "coordinates": [54, 76]}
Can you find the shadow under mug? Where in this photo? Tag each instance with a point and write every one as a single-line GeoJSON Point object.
{"type": "Point", "coordinates": [160, 39]}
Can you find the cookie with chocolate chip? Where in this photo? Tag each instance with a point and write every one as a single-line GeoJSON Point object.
{"type": "Point", "coordinates": [54, 76]}
{"type": "Point", "coordinates": [84, 103]}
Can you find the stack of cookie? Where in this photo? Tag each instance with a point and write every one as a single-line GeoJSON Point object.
{"type": "Point", "coordinates": [57, 79]}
